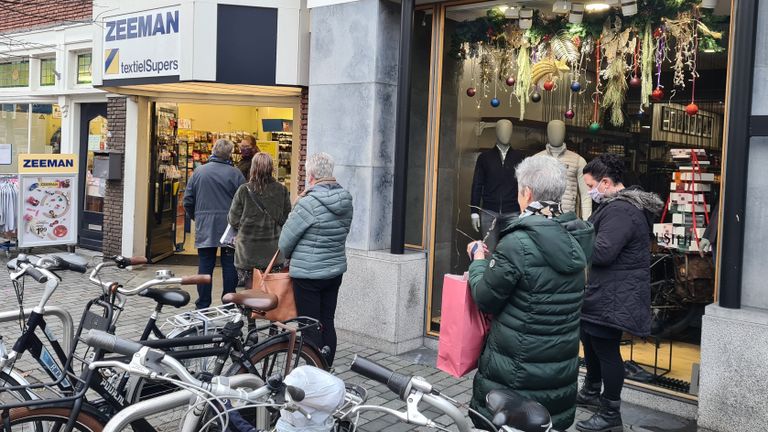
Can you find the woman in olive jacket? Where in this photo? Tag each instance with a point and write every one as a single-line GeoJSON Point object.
{"type": "Point", "coordinates": [258, 212]}
{"type": "Point", "coordinates": [533, 286]}
{"type": "Point", "coordinates": [618, 293]}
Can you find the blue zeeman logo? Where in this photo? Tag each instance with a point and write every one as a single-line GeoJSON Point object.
{"type": "Point", "coordinates": [142, 26]}
{"type": "Point", "coordinates": [49, 163]}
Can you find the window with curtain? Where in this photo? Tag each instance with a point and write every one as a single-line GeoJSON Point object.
{"type": "Point", "coordinates": [14, 74]}
{"type": "Point", "coordinates": [47, 72]}
{"type": "Point", "coordinates": [84, 68]}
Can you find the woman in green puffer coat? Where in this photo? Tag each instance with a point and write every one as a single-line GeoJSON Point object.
{"type": "Point", "coordinates": [533, 285]}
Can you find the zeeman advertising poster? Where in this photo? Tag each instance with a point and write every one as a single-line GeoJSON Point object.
{"type": "Point", "coordinates": [48, 192]}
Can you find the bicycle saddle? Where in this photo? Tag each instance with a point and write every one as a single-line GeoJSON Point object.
{"type": "Point", "coordinates": [167, 297]}
{"type": "Point", "coordinates": [252, 299]}
{"type": "Point", "coordinates": [512, 409]}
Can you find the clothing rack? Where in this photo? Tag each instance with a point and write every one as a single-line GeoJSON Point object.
{"type": "Point", "coordinates": [9, 205]}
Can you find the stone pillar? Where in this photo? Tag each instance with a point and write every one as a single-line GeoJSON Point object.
{"type": "Point", "coordinates": [113, 198]}
{"type": "Point", "coordinates": [353, 88]}
{"type": "Point", "coordinates": [734, 342]}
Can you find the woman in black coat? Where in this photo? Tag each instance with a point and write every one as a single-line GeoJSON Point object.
{"type": "Point", "coordinates": [618, 293]}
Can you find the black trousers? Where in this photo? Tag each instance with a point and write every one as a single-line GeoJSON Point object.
{"type": "Point", "coordinates": [316, 298]}
{"type": "Point", "coordinates": [604, 363]}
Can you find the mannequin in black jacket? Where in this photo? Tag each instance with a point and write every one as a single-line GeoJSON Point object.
{"type": "Point", "coordinates": [494, 186]}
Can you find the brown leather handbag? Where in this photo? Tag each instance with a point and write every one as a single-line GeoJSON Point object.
{"type": "Point", "coordinates": [281, 286]}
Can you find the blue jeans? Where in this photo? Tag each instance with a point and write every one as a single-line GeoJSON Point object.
{"type": "Point", "coordinates": [207, 262]}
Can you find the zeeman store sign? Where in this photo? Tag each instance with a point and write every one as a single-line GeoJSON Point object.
{"type": "Point", "coordinates": [142, 44]}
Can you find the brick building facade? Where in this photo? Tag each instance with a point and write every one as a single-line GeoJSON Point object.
{"type": "Point", "coordinates": [34, 14]}
{"type": "Point", "coordinates": [113, 199]}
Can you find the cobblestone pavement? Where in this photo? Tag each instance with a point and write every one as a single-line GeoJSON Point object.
{"type": "Point", "coordinates": [74, 292]}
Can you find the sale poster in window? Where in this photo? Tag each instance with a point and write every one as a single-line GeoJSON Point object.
{"type": "Point", "coordinates": [48, 208]}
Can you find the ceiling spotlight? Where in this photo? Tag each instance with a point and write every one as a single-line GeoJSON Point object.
{"type": "Point", "coordinates": [576, 14]}
{"type": "Point", "coordinates": [561, 7]}
{"type": "Point", "coordinates": [503, 8]}
{"type": "Point", "coordinates": [597, 7]}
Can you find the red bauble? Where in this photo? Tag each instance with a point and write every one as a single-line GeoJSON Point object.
{"type": "Point", "coordinates": [658, 33]}
{"type": "Point", "coordinates": [635, 82]}
{"type": "Point", "coordinates": [471, 92]}
{"type": "Point", "coordinates": [657, 94]}
{"type": "Point", "coordinates": [570, 114]}
{"type": "Point", "coordinates": [549, 85]}
{"type": "Point", "coordinates": [510, 81]}
{"type": "Point", "coordinates": [692, 109]}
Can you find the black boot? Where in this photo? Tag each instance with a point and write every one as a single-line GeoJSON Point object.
{"type": "Point", "coordinates": [589, 395]}
{"type": "Point", "coordinates": [607, 419]}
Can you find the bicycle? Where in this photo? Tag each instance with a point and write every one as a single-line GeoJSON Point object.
{"type": "Point", "coordinates": [114, 389]}
{"type": "Point", "coordinates": [511, 411]}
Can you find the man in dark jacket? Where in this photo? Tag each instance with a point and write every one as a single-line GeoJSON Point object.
{"type": "Point", "coordinates": [207, 200]}
{"type": "Point", "coordinates": [248, 148]}
{"type": "Point", "coordinates": [618, 294]}
{"type": "Point", "coordinates": [533, 286]}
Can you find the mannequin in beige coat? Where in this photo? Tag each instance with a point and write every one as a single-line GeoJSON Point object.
{"type": "Point", "coordinates": [576, 197]}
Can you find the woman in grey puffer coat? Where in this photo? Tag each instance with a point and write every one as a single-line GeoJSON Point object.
{"type": "Point", "coordinates": [314, 239]}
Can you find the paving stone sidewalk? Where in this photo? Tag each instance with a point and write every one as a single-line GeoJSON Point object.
{"type": "Point", "coordinates": [74, 291]}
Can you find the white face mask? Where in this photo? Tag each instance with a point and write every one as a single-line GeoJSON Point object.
{"type": "Point", "coordinates": [596, 195]}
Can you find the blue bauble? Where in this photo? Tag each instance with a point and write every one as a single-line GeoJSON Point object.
{"type": "Point", "coordinates": [575, 86]}
{"type": "Point", "coordinates": [495, 103]}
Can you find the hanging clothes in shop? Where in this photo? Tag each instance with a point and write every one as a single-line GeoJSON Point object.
{"type": "Point", "coordinates": [9, 196]}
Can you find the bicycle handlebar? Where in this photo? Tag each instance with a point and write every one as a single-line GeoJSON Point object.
{"type": "Point", "coordinates": [35, 273]}
{"type": "Point", "coordinates": [396, 382]}
{"type": "Point", "coordinates": [109, 342]}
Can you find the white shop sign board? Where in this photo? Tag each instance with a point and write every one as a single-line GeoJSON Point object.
{"type": "Point", "coordinates": [48, 200]}
{"type": "Point", "coordinates": [142, 44]}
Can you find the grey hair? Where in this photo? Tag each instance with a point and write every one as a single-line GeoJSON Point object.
{"type": "Point", "coordinates": [320, 165]}
{"type": "Point", "coordinates": [223, 148]}
{"type": "Point", "coordinates": [544, 175]}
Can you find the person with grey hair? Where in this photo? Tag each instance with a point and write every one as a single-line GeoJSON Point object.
{"type": "Point", "coordinates": [533, 285]}
{"type": "Point", "coordinates": [314, 239]}
{"type": "Point", "coordinates": [207, 200]}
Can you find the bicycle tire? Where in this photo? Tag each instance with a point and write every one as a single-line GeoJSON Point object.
{"type": "Point", "coordinates": [58, 416]}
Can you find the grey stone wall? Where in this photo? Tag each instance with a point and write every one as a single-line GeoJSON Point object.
{"type": "Point", "coordinates": [353, 88]}
{"type": "Point", "coordinates": [113, 198]}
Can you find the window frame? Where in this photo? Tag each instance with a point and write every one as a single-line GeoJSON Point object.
{"type": "Point", "coordinates": [43, 61]}
{"type": "Point", "coordinates": [77, 56]}
{"type": "Point", "coordinates": [26, 60]}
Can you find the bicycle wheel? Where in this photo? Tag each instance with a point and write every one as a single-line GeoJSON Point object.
{"type": "Point", "coordinates": [12, 397]}
{"type": "Point", "coordinates": [269, 359]}
{"type": "Point", "coordinates": [49, 419]}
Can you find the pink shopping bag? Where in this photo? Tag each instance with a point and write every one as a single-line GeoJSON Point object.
{"type": "Point", "coordinates": [462, 328]}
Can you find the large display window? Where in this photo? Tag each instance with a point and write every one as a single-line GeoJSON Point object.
{"type": "Point", "coordinates": [647, 85]}
{"type": "Point", "coordinates": [27, 128]}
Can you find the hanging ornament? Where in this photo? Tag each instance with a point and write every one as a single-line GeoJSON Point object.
{"type": "Point", "coordinates": [658, 33]}
{"type": "Point", "coordinates": [549, 85]}
{"type": "Point", "coordinates": [570, 114]}
{"type": "Point", "coordinates": [511, 81]}
{"type": "Point", "coordinates": [471, 92]}
{"type": "Point", "coordinates": [692, 109]}
{"type": "Point", "coordinates": [635, 81]}
{"type": "Point", "coordinates": [495, 102]}
{"type": "Point", "coordinates": [594, 127]}
{"type": "Point", "coordinates": [657, 95]}
{"type": "Point", "coordinates": [536, 96]}
{"type": "Point", "coordinates": [575, 86]}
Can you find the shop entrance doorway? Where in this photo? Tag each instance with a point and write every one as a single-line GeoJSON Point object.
{"type": "Point", "coordinates": [93, 138]}
{"type": "Point", "coordinates": [183, 135]}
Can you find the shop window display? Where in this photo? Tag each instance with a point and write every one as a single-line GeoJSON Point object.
{"type": "Point", "coordinates": [645, 83]}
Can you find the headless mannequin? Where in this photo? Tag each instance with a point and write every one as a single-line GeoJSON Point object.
{"type": "Point", "coordinates": [576, 197]}
{"type": "Point", "coordinates": [494, 187]}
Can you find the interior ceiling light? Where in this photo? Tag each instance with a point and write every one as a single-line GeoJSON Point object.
{"type": "Point", "coordinates": [597, 7]}
{"type": "Point", "coordinates": [503, 8]}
